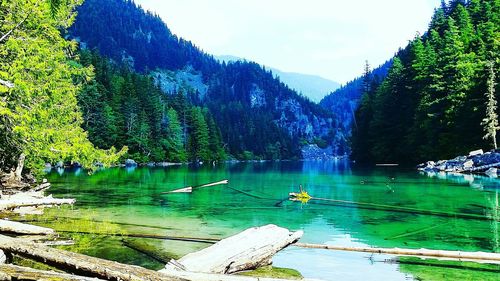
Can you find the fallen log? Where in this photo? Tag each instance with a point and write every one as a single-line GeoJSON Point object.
{"type": "Point", "coordinates": [454, 255]}
{"type": "Point", "coordinates": [189, 189]}
{"type": "Point", "coordinates": [14, 272]}
{"type": "Point", "coordinates": [21, 228]}
{"type": "Point", "coordinates": [100, 268]}
{"type": "Point", "coordinates": [249, 249]}
{"type": "Point", "coordinates": [12, 203]}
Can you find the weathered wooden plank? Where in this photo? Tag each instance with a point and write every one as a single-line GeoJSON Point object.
{"type": "Point", "coordinates": [249, 249]}
{"type": "Point", "coordinates": [21, 228]}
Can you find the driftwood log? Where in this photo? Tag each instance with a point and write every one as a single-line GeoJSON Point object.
{"type": "Point", "coordinates": [10, 272]}
{"type": "Point", "coordinates": [249, 249]}
{"type": "Point", "coordinates": [100, 268]}
{"type": "Point", "coordinates": [21, 228]}
{"type": "Point", "coordinates": [27, 201]}
{"type": "Point", "coordinates": [424, 253]}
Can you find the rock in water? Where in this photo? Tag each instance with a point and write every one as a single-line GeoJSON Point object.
{"type": "Point", "coordinates": [492, 172]}
{"type": "Point", "coordinates": [469, 164]}
{"type": "Point", "coordinates": [130, 163]}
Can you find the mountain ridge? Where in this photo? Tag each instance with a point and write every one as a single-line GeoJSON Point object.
{"type": "Point", "coordinates": [312, 86]}
{"type": "Point", "coordinates": [259, 116]}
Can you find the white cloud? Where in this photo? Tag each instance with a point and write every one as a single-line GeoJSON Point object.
{"type": "Point", "coordinates": [331, 38]}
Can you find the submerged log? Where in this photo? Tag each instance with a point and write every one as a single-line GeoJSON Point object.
{"type": "Point", "coordinates": [14, 272]}
{"type": "Point", "coordinates": [100, 268]}
{"type": "Point", "coordinates": [21, 228]}
{"type": "Point", "coordinates": [455, 255]}
{"type": "Point", "coordinates": [249, 249]}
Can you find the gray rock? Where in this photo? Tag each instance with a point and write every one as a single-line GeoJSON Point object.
{"type": "Point", "coordinates": [468, 164]}
{"type": "Point", "coordinates": [130, 163]}
{"type": "Point", "coordinates": [492, 172]}
{"type": "Point", "coordinates": [476, 152]}
{"type": "Point", "coordinates": [3, 257]}
{"type": "Point", "coordinates": [486, 159]}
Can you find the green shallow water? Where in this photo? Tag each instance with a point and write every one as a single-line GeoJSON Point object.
{"type": "Point", "coordinates": [461, 207]}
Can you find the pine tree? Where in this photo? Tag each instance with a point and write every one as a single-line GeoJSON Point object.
{"type": "Point", "coordinates": [198, 146]}
{"type": "Point", "coordinates": [490, 123]}
{"type": "Point", "coordinates": [174, 139]}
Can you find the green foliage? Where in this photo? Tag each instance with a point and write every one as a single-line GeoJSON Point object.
{"type": "Point", "coordinates": [40, 116]}
{"type": "Point", "coordinates": [431, 104]}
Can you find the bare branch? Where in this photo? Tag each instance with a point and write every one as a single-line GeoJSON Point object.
{"type": "Point", "coordinates": [6, 35]}
{"type": "Point", "coordinates": [7, 84]}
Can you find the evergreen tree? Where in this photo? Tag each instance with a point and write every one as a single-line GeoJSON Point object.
{"type": "Point", "coordinates": [198, 143]}
{"type": "Point", "coordinates": [174, 138]}
{"type": "Point", "coordinates": [490, 123]}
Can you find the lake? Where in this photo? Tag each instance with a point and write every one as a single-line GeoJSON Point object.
{"type": "Point", "coordinates": [387, 207]}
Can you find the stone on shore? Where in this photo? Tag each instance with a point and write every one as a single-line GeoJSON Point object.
{"type": "Point", "coordinates": [492, 172]}
{"type": "Point", "coordinates": [477, 161]}
{"type": "Point", "coordinates": [130, 163]}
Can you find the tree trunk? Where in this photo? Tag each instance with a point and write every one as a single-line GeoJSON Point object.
{"type": "Point", "coordinates": [20, 166]}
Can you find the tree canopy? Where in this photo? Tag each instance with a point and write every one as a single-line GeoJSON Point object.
{"type": "Point", "coordinates": [41, 78]}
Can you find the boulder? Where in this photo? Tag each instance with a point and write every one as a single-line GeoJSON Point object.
{"type": "Point", "coordinates": [130, 163]}
{"type": "Point", "coordinates": [487, 159]}
{"type": "Point", "coordinates": [492, 172]}
{"type": "Point", "coordinates": [476, 152]}
{"type": "Point", "coordinates": [468, 164]}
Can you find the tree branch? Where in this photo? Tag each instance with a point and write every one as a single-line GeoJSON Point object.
{"type": "Point", "coordinates": [6, 35]}
{"type": "Point", "coordinates": [7, 84]}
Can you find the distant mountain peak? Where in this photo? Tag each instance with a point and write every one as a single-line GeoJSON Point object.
{"type": "Point", "coordinates": [311, 86]}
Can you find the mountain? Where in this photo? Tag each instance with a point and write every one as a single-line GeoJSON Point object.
{"type": "Point", "coordinates": [344, 102]}
{"type": "Point", "coordinates": [258, 115]}
{"type": "Point", "coordinates": [312, 86]}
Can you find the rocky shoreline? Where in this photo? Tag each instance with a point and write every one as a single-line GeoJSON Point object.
{"type": "Point", "coordinates": [477, 162]}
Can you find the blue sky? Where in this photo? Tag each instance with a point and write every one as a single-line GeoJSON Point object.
{"type": "Point", "coordinates": [329, 38]}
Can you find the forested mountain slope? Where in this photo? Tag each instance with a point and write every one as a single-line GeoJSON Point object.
{"type": "Point", "coordinates": [258, 116]}
{"type": "Point", "coordinates": [344, 102]}
{"type": "Point", "coordinates": [433, 102]}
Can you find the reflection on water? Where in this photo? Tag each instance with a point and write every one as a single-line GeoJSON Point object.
{"type": "Point", "coordinates": [475, 181]}
{"type": "Point", "coordinates": [383, 207]}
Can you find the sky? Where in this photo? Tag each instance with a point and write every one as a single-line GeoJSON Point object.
{"type": "Point", "coordinates": [329, 38]}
